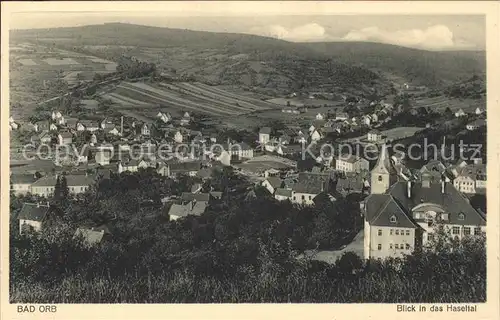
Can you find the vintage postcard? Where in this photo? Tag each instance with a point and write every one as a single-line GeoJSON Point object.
{"type": "Point", "coordinates": [248, 160]}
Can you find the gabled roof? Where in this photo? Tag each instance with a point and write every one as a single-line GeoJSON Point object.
{"type": "Point", "coordinates": [183, 210]}
{"type": "Point", "coordinates": [90, 236]}
{"type": "Point", "coordinates": [354, 182]}
{"type": "Point", "coordinates": [22, 178]}
{"type": "Point", "coordinates": [66, 135]}
{"type": "Point", "coordinates": [216, 194]}
{"type": "Point", "coordinates": [350, 158]}
{"type": "Point", "coordinates": [74, 180]}
{"type": "Point", "coordinates": [185, 166]}
{"type": "Point", "coordinates": [188, 196]}
{"type": "Point", "coordinates": [275, 182]}
{"type": "Point", "coordinates": [89, 123]}
{"type": "Point", "coordinates": [33, 212]}
{"type": "Point", "coordinates": [265, 130]}
{"type": "Point", "coordinates": [312, 183]}
{"type": "Point", "coordinates": [451, 200]}
{"type": "Point", "coordinates": [283, 192]}
{"type": "Point", "coordinates": [391, 210]}
{"type": "Point", "coordinates": [478, 123]}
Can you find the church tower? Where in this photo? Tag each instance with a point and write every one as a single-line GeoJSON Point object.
{"type": "Point", "coordinates": [383, 174]}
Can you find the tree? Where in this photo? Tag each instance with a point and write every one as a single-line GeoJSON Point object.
{"type": "Point", "coordinates": [57, 189]}
{"type": "Point", "coordinates": [64, 188]}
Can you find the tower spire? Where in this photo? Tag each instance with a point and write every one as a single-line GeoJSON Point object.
{"type": "Point", "coordinates": [382, 160]}
{"type": "Point", "coordinates": [383, 174]}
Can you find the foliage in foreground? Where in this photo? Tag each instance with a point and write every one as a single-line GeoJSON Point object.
{"type": "Point", "coordinates": [240, 250]}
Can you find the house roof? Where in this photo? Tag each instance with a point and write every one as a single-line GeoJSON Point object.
{"type": "Point", "coordinates": [74, 180]}
{"type": "Point", "coordinates": [433, 166]}
{"type": "Point", "coordinates": [33, 212]}
{"type": "Point", "coordinates": [187, 196]}
{"type": "Point", "coordinates": [185, 166]}
{"type": "Point", "coordinates": [374, 131]}
{"type": "Point", "coordinates": [205, 173]}
{"type": "Point", "coordinates": [352, 182]}
{"type": "Point", "coordinates": [312, 183]}
{"type": "Point", "coordinates": [89, 235]}
{"type": "Point", "coordinates": [265, 130]}
{"type": "Point", "coordinates": [397, 201]}
{"type": "Point", "coordinates": [283, 192]}
{"type": "Point", "coordinates": [478, 123]}
{"type": "Point", "coordinates": [71, 121]}
{"type": "Point", "coordinates": [195, 187]}
{"type": "Point", "coordinates": [181, 210]}
{"type": "Point", "coordinates": [89, 123]}
{"type": "Point", "coordinates": [66, 135]}
{"type": "Point", "coordinates": [349, 158]}
{"type": "Point", "coordinates": [216, 194]}
{"type": "Point", "coordinates": [275, 182]}
{"type": "Point", "coordinates": [22, 178]}
{"type": "Point", "coordinates": [474, 171]}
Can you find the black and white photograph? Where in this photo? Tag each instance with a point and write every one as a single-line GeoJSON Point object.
{"type": "Point", "coordinates": [160, 157]}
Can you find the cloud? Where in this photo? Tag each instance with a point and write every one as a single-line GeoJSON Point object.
{"type": "Point", "coordinates": [307, 32]}
{"type": "Point", "coordinates": [434, 37]}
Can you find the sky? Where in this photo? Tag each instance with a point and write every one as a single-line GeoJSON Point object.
{"type": "Point", "coordinates": [430, 32]}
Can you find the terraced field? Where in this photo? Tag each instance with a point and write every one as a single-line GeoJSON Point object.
{"type": "Point", "coordinates": [440, 103]}
{"type": "Point", "coordinates": [194, 97]}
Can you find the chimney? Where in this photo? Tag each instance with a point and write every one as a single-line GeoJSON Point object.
{"type": "Point", "coordinates": [442, 185]}
{"type": "Point", "coordinates": [408, 191]}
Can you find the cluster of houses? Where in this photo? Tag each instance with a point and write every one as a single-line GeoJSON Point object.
{"type": "Point", "coordinates": [192, 203]}
{"type": "Point", "coordinates": [35, 215]}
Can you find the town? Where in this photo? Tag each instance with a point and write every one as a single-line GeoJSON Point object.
{"type": "Point", "coordinates": [142, 172]}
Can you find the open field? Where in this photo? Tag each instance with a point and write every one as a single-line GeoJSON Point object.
{"type": "Point", "coordinates": [38, 73]}
{"type": "Point", "coordinates": [192, 97]}
{"type": "Point", "coordinates": [304, 102]}
{"type": "Point", "coordinates": [440, 103]}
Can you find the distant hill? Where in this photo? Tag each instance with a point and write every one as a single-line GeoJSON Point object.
{"type": "Point", "coordinates": [418, 66]}
{"type": "Point", "coordinates": [282, 64]}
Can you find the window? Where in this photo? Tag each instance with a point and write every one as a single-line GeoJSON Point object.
{"type": "Point", "coordinates": [303, 197]}
{"type": "Point", "coordinates": [379, 247]}
{"type": "Point", "coordinates": [407, 232]}
{"type": "Point", "coordinates": [477, 231]}
{"type": "Point", "coordinates": [461, 216]}
{"type": "Point", "coordinates": [379, 178]}
{"type": "Point", "coordinates": [397, 232]}
{"type": "Point", "coordinates": [390, 246]}
{"type": "Point", "coordinates": [310, 197]}
{"type": "Point", "coordinates": [393, 219]}
{"type": "Point", "coordinates": [401, 246]}
{"type": "Point", "coordinates": [456, 230]}
{"type": "Point", "coordinates": [467, 231]}
{"type": "Point", "coordinates": [294, 198]}
{"type": "Point", "coordinates": [392, 230]}
{"type": "Point", "coordinates": [379, 232]}
{"type": "Point", "coordinates": [430, 237]}
{"type": "Point", "coordinates": [396, 246]}
{"type": "Point", "coordinates": [407, 246]}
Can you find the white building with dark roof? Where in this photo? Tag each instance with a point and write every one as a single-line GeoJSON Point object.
{"type": "Point", "coordinates": [20, 184]}
{"type": "Point", "coordinates": [308, 186]}
{"type": "Point", "coordinates": [351, 163]}
{"type": "Point", "coordinates": [403, 215]}
{"type": "Point", "coordinates": [264, 135]}
{"type": "Point", "coordinates": [33, 215]}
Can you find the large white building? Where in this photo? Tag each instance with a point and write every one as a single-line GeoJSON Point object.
{"type": "Point", "coordinates": [402, 215]}
{"type": "Point", "coordinates": [351, 163]}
